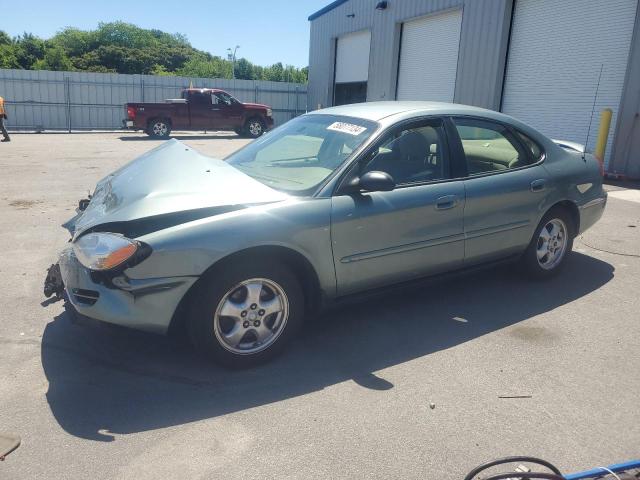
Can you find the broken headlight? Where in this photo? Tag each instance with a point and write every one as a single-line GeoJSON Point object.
{"type": "Point", "coordinates": [104, 251]}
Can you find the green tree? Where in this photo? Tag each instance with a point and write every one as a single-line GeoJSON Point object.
{"type": "Point", "coordinates": [160, 70]}
{"type": "Point", "coordinates": [55, 59]}
{"type": "Point", "coordinates": [244, 69]}
{"type": "Point", "coordinates": [126, 35]}
{"type": "Point", "coordinates": [125, 48]}
{"type": "Point", "coordinates": [215, 67]}
{"type": "Point", "coordinates": [8, 57]}
{"type": "Point", "coordinates": [28, 49]}
{"type": "Point", "coordinates": [5, 39]}
{"type": "Point", "coordinates": [75, 42]}
{"type": "Point", "coordinates": [274, 72]}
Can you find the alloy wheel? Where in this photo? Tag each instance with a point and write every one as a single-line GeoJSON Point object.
{"type": "Point", "coordinates": [552, 244]}
{"type": "Point", "coordinates": [160, 129]}
{"type": "Point", "coordinates": [255, 128]}
{"type": "Point", "coordinates": [251, 316]}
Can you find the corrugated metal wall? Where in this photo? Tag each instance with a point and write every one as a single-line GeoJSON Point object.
{"type": "Point", "coordinates": [483, 43]}
{"type": "Point", "coordinates": [551, 80]}
{"type": "Point", "coordinates": [82, 100]}
{"type": "Point", "coordinates": [625, 158]}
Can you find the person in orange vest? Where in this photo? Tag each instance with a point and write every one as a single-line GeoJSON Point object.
{"type": "Point", "coordinates": [3, 117]}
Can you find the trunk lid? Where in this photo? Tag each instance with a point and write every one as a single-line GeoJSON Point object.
{"type": "Point", "coordinates": [571, 146]}
{"type": "Point", "coordinates": [169, 179]}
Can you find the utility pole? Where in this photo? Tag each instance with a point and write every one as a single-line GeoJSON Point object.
{"type": "Point", "coordinates": [231, 56]}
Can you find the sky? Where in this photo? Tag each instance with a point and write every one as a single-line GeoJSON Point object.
{"type": "Point", "coordinates": [268, 31]}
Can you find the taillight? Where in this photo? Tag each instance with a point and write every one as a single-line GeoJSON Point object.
{"type": "Point", "coordinates": [131, 112]}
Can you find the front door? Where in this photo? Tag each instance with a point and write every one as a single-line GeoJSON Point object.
{"type": "Point", "coordinates": [226, 111]}
{"type": "Point", "coordinates": [505, 187]}
{"type": "Point", "coordinates": [381, 238]}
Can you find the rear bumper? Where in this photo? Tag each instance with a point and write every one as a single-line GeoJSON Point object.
{"type": "Point", "coordinates": [146, 304]}
{"type": "Point", "coordinates": [129, 124]}
{"type": "Point", "coordinates": [591, 212]}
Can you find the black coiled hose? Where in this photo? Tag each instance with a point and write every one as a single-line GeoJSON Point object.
{"type": "Point", "coordinates": [555, 475]}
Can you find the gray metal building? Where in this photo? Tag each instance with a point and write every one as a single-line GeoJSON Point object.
{"type": "Point", "coordinates": [542, 61]}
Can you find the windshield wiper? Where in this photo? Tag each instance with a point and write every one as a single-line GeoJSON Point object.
{"type": "Point", "coordinates": [284, 160]}
{"type": "Point", "coordinates": [271, 179]}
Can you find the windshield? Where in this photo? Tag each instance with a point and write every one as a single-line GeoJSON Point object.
{"type": "Point", "coordinates": [299, 155]}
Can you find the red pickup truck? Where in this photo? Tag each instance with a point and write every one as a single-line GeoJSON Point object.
{"type": "Point", "coordinates": [199, 109]}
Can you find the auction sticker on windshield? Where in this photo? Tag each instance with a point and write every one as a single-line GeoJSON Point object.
{"type": "Point", "coordinates": [349, 128]}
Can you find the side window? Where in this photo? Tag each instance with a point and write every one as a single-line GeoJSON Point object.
{"type": "Point", "coordinates": [221, 98]}
{"type": "Point", "coordinates": [199, 98]}
{"type": "Point", "coordinates": [532, 146]}
{"type": "Point", "coordinates": [489, 147]}
{"type": "Point", "coordinates": [412, 155]}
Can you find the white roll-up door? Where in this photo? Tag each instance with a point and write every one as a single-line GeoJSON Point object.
{"type": "Point", "coordinates": [429, 57]}
{"type": "Point", "coordinates": [352, 57]}
{"type": "Point", "coordinates": [555, 54]}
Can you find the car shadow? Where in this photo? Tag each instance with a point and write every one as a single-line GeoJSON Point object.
{"type": "Point", "coordinates": [215, 135]}
{"type": "Point", "coordinates": [105, 380]}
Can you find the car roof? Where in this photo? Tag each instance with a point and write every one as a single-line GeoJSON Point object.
{"type": "Point", "coordinates": [203, 90]}
{"type": "Point", "coordinates": [387, 113]}
{"type": "Point", "coordinates": [377, 111]}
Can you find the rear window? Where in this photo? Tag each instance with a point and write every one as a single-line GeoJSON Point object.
{"type": "Point", "coordinates": [489, 147]}
{"type": "Point", "coordinates": [532, 147]}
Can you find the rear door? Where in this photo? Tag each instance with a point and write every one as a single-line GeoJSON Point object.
{"type": "Point", "coordinates": [200, 109]}
{"type": "Point", "coordinates": [381, 238]}
{"type": "Point", "coordinates": [506, 184]}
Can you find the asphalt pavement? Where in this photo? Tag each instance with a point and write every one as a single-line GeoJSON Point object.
{"type": "Point", "coordinates": [414, 385]}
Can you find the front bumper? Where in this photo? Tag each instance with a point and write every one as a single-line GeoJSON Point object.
{"type": "Point", "coordinates": [144, 304]}
{"type": "Point", "coordinates": [268, 122]}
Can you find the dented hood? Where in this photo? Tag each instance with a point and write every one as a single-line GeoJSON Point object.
{"type": "Point", "coordinates": [168, 180]}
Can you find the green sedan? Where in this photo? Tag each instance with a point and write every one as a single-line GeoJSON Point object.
{"type": "Point", "coordinates": [330, 205]}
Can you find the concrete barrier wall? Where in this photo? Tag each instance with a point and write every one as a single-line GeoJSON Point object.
{"type": "Point", "coordinates": [44, 100]}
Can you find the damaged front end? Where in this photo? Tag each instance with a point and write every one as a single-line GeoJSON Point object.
{"type": "Point", "coordinates": [169, 186]}
{"type": "Point", "coordinates": [53, 283]}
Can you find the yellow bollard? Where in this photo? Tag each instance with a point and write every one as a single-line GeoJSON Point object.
{"type": "Point", "coordinates": [603, 135]}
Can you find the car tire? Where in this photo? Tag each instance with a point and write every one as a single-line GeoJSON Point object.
{"type": "Point", "coordinates": [551, 244]}
{"type": "Point", "coordinates": [227, 321]}
{"type": "Point", "coordinates": [254, 127]}
{"type": "Point", "coordinates": [160, 128]}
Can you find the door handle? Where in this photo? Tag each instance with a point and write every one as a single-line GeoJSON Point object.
{"type": "Point", "coordinates": [538, 185]}
{"type": "Point", "coordinates": [216, 109]}
{"type": "Point", "coordinates": [446, 202]}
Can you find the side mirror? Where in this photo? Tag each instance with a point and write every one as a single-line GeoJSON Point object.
{"type": "Point", "coordinates": [374, 181]}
